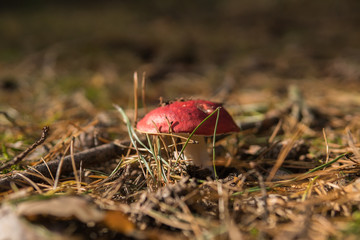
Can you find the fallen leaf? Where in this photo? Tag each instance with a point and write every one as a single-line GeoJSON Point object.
{"type": "Point", "coordinates": [14, 227]}
{"type": "Point", "coordinates": [118, 221]}
{"type": "Point", "coordinates": [63, 207]}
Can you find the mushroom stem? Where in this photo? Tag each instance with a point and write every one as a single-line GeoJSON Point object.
{"type": "Point", "coordinates": [197, 152]}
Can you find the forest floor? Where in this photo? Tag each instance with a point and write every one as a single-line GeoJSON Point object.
{"type": "Point", "coordinates": [73, 168]}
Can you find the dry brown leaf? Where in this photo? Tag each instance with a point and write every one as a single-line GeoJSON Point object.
{"type": "Point", "coordinates": [13, 227]}
{"type": "Point", "coordinates": [118, 221]}
{"type": "Point", "coordinates": [64, 207]}
{"type": "Point", "coordinates": [76, 207]}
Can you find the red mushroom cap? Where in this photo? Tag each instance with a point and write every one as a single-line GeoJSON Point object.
{"type": "Point", "coordinates": [185, 116]}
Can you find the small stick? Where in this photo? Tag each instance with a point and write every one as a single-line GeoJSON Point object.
{"type": "Point", "coordinates": [88, 157]}
{"type": "Point", "coordinates": [136, 84]}
{"type": "Point", "coordinates": [276, 131]}
{"type": "Point", "coordinates": [143, 96]}
{"type": "Point", "coordinates": [327, 146]}
{"type": "Point", "coordinates": [283, 154]}
{"type": "Point", "coordinates": [58, 170]}
{"type": "Point", "coordinates": [22, 155]}
{"type": "Point", "coordinates": [73, 164]}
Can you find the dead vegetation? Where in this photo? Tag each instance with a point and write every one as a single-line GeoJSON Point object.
{"type": "Point", "coordinates": [288, 180]}
{"type": "Point", "coordinates": [290, 81]}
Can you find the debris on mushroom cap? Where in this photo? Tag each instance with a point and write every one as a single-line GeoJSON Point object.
{"type": "Point", "coordinates": [185, 116]}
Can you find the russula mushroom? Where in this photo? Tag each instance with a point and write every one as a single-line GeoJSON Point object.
{"type": "Point", "coordinates": [183, 117]}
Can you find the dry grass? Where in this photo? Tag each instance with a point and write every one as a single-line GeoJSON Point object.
{"type": "Point", "coordinates": [314, 196]}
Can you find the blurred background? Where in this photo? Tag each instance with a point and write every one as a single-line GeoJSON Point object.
{"type": "Point", "coordinates": [83, 54]}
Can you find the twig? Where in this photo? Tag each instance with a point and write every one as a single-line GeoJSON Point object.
{"type": "Point", "coordinates": [73, 164]}
{"type": "Point", "coordinates": [327, 146]}
{"type": "Point", "coordinates": [59, 167]}
{"type": "Point", "coordinates": [88, 157]}
{"type": "Point", "coordinates": [143, 96]}
{"type": "Point", "coordinates": [275, 132]}
{"type": "Point", "coordinates": [22, 155]}
{"type": "Point", "coordinates": [136, 84]}
{"type": "Point", "coordinates": [283, 154]}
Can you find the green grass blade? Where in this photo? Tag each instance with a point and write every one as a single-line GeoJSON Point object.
{"type": "Point", "coordinates": [322, 166]}
{"type": "Point", "coordinates": [116, 168]}
{"type": "Point", "coordinates": [132, 135]}
{"type": "Point", "coordinates": [192, 133]}
{"type": "Point", "coordinates": [131, 131]}
{"type": "Point", "coordinates": [213, 144]}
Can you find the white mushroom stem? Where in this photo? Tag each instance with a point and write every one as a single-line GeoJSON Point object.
{"type": "Point", "coordinates": [197, 152]}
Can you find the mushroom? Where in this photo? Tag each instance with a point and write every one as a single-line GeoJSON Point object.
{"type": "Point", "coordinates": [183, 117]}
